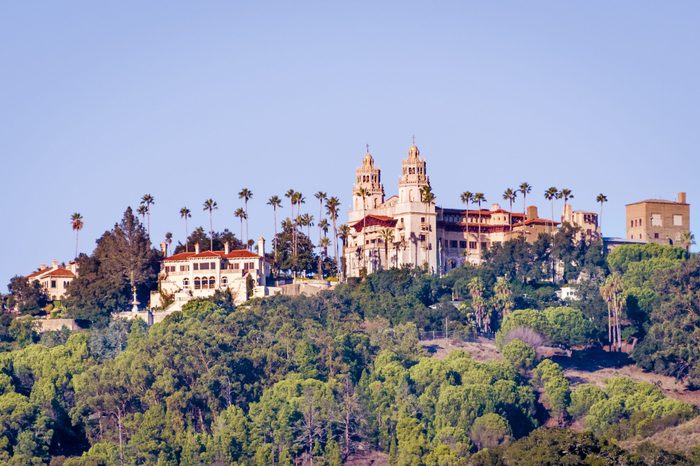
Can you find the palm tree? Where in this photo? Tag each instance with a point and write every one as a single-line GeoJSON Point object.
{"type": "Point", "coordinates": [324, 226]}
{"type": "Point", "coordinates": [292, 196]}
{"type": "Point", "coordinates": [466, 198]}
{"type": "Point", "coordinates": [601, 199]}
{"type": "Point", "coordinates": [566, 194]}
{"type": "Point", "coordinates": [478, 199]}
{"type": "Point", "coordinates": [551, 194]}
{"type": "Point", "coordinates": [142, 210]}
{"type": "Point", "coordinates": [76, 221]}
{"type": "Point", "coordinates": [307, 220]}
{"type": "Point", "coordinates": [427, 197]}
{"type": "Point", "coordinates": [476, 290]}
{"type": "Point", "coordinates": [245, 194]}
{"type": "Point", "coordinates": [687, 240]}
{"type": "Point", "coordinates": [612, 293]}
{"type": "Point", "coordinates": [185, 213]}
{"type": "Point", "coordinates": [275, 202]}
{"type": "Point", "coordinates": [241, 215]}
{"type": "Point", "coordinates": [343, 233]}
{"type": "Point", "coordinates": [148, 200]}
{"type": "Point", "coordinates": [332, 208]}
{"type": "Point", "coordinates": [168, 241]}
{"type": "Point", "coordinates": [510, 195]}
{"type": "Point", "coordinates": [211, 205]}
{"type": "Point", "coordinates": [524, 189]}
{"type": "Point", "coordinates": [363, 193]}
{"type": "Point", "coordinates": [321, 196]}
{"type": "Point", "coordinates": [387, 235]}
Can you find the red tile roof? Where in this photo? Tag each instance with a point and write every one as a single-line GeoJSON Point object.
{"type": "Point", "coordinates": [235, 254]}
{"type": "Point", "coordinates": [61, 272]}
{"type": "Point", "coordinates": [36, 273]}
{"type": "Point", "coordinates": [536, 221]}
{"type": "Point", "coordinates": [374, 220]}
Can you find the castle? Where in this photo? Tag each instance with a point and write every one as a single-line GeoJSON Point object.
{"type": "Point", "coordinates": [409, 229]}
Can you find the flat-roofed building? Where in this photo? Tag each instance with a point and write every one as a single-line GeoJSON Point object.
{"type": "Point", "coordinates": [659, 221]}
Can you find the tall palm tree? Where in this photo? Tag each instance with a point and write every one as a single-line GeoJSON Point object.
{"type": "Point", "coordinates": [566, 194]}
{"type": "Point", "coordinates": [466, 198]}
{"type": "Point", "coordinates": [275, 202]}
{"type": "Point", "coordinates": [612, 293]}
{"type": "Point", "coordinates": [185, 213]}
{"type": "Point", "coordinates": [142, 210]}
{"type": "Point", "coordinates": [324, 226]}
{"type": "Point", "coordinates": [387, 236]}
{"type": "Point", "coordinates": [321, 196]}
{"type": "Point", "coordinates": [363, 193]}
{"type": "Point", "coordinates": [343, 233]}
{"type": "Point", "coordinates": [211, 205]}
{"type": "Point", "coordinates": [510, 195]}
{"type": "Point", "coordinates": [601, 199]}
{"type": "Point", "coordinates": [551, 195]}
{"type": "Point", "coordinates": [148, 200]}
{"type": "Point", "coordinates": [241, 215]}
{"type": "Point", "coordinates": [332, 209]}
{"type": "Point", "coordinates": [245, 194]}
{"type": "Point", "coordinates": [76, 222]}
{"type": "Point", "coordinates": [306, 220]}
{"type": "Point", "coordinates": [478, 199]}
{"type": "Point", "coordinates": [292, 196]}
{"type": "Point", "coordinates": [524, 189]}
{"type": "Point", "coordinates": [427, 197]}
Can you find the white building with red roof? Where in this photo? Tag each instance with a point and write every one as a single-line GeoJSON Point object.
{"type": "Point", "coordinates": [199, 274]}
{"type": "Point", "coordinates": [54, 279]}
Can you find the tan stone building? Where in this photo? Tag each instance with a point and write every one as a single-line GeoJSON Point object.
{"type": "Point", "coordinates": [658, 221]}
{"type": "Point", "coordinates": [54, 279]}
{"type": "Point", "coordinates": [189, 275]}
{"type": "Point", "coordinates": [403, 230]}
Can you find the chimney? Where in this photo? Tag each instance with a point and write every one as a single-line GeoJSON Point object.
{"type": "Point", "coordinates": [226, 248]}
{"type": "Point", "coordinates": [164, 248]}
{"type": "Point", "coordinates": [54, 264]}
{"type": "Point", "coordinates": [532, 212]}
{"type": "Point", "coordinates": [196, 248]}
{"type": "Point", "coordinates": [568, 214]}
{"type": "Point", "coordinates": [42, 266]}
{"type": "Point", "coordinates": [681, 197]}
{"type": "Point", "coordinates": [495, 207]}
{"type": "Point", "coordinates": [261, 246]}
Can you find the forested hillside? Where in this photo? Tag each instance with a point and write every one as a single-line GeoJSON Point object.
{"type": "Point", "coordinates": [341, 376]}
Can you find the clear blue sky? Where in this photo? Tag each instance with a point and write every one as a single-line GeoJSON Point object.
{"type": "Point", "coordinates": [105, 101]}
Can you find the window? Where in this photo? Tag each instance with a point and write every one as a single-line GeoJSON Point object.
{"type": "Point", "coordinates": [195, 266]}
{"type": "Point", "coordinates": [463, 244]}
{"type": "Point", "coordinates": [656, 236]}
{"type": "Point", "coordinates": [185, 283]}
{"type": "Point", "coordinates": [453, 244]}
{"type": "Point", "coordinates": [472, 244]}
{"type": "Point", "coordinates": [212, 282]}
{"type": "Point", "coordinates": [422, 237]}
{"type": "Point", "coordinates": [184, 268]}
{"type": "Point", "coordinates": [236, 266]}
{"type": "Point", "coordinates": [197, 283]}
{"type": "Point", "coordinates": [213, 265]}
{"type": "Point", "coordinates": [224, 282]}
{"type": "Point", "coordinates": [483, 245]}
{"type": "Point", "coordinates": [677, 220]}
{"type": "Point", "coordinates": [53, 283]}
{"type": "Point", "coordinates": [656, 220]}
{"type": "Point", "coordinates": [204, 266]}
{"type": "Point", "coordinates": [65, 284]}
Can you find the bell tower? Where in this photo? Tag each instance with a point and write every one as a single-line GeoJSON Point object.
{"type": "Point", "coordinates": [369, 177]}
{"type": "Point", "coordinates": [413, 176]}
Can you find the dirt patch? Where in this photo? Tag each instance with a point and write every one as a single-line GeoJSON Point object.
{"type": "Point", "coordinates": [372, 458]}
{"type": "Point", "coordinates": [481, 350]}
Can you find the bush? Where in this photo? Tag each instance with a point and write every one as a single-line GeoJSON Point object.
{"type": "Point", "coordinates": [583, 397]}
{"type": "Point", "coordinates": [521, 355]}
{"type": "Point", "coordinates": [489, 431]}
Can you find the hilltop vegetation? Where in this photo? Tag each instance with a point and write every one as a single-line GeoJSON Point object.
{"type": "Point", "coordinates": [288, 380]}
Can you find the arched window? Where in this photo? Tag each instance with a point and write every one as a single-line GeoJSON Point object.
{"type": "Point", "coordinates": [224, 282]}
{"type": "Point", "coordinates": [197, 283]}
{"type": "Point", "coordinates": [186, 283]}
{"type": "Point", "coordinates": [212, 282]}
